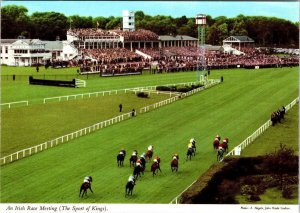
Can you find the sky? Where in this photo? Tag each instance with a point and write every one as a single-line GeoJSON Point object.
{"type": "Point", "coordinates": [286, 10]}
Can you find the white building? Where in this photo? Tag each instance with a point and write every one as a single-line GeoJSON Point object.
{"type": "Point", "coordinates": [29, 52]}
{"type": "Point", "coordinates": [128, 20]}
{"type": "Point", "coordinates": [23, 52]}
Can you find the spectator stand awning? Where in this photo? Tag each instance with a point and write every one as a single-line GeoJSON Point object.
{"type": "Point", "coordinates": [179, 40]}
{"type": "Point", "coordinates": [238, 39]}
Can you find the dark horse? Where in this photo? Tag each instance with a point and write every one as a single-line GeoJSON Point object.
{"type": "Point", "coordinates": [174, 164]}
{"type": "Point", "coordinates": [220, 154]}
{"type": "Point", "coordinates": [132, 160]}
{"type": "Point", "coordinates": [120, 158]}
{"type": "Point", "coordinates": [85, 186]}
{"type": "Point", "coordinates": [137, 171]}
{"type": "Point", "coordinates": [149, 154]}
{"type": "Point", "coordinates": [216, 143]}
{"type": "Point", "coordinates": [190, 152]}
{"type": "Point", "coordinates": [129, 187]}
{"type": "Point", "coordinates": [155, 166]}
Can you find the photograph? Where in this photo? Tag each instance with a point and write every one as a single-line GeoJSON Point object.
{"type": "Point", "coordinates": [149, 106]}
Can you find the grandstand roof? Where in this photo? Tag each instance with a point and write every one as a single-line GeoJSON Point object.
{"type": "Point", "coordinates": [53, 45]}
{"type": "Point", "coordinates": [177, 38]}
{"type": "Point", "coordinates": [240, 39]}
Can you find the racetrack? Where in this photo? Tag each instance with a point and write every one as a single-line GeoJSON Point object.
{"type": "Point", "coordinates": [233, 109]}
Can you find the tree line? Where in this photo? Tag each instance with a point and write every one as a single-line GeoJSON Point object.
{"type": "Point", "coordinates": [266, 31]}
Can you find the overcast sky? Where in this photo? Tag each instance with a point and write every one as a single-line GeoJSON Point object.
{"type": "Point", "coordinates": [287, 10]}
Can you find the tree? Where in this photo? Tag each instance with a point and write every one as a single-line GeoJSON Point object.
{"type": "Point", "coordinates": [14, 21]}
{"type": "Point", "coordinates": [49, 25]}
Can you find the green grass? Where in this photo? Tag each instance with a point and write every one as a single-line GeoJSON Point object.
{"type": "Point", "coordinates": [286, 133]}
{"type": "Point", "coordinates": [36, 124]}
{"type": "Point", "coordinates": [272, 196]}
{"type": "Point", "coordinates": [234, 109]}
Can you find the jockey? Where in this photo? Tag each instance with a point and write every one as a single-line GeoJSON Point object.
{"type": "Point", "coordinates": [131, 179]}
{"type": "Point", "coordinates": [87, 179]}
{"type": "Point", "coordinates": [218, 136]}
{"type": "Point", "coordinates": [122, 152]}
{"type": "Point", "coordinates": [134, 153]}
{"type": "Point", "coordinates": [221, 148]}
{"type": "Point", "coordinates": [190, 145]}
{"type": "Point", "coordinates": [143, 156]}
{"type": "Point", "coordinates": [150, 148]}
{"type": "Point", "coordinates": [156, 159]}
{"type": "Point", "coordinates": [225, 141]}
{"type": "Point", "coordinates": [139, 162]}
{"type": "Point", "coordinates": [175, 156]}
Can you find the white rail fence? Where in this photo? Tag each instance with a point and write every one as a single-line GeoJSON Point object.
{"type": "Point", "coordinates": [182, 95]}
{"type": "Point", "coordinates": [15, 103]}
{"type": "Point", "coordinates": [258, 132]}
{"type": "Point", "coordinates": [65, 138]}
{"type": "Point", "coordinates": [110, 92]}
{"type": "Point", "coordinates": [242, 145]}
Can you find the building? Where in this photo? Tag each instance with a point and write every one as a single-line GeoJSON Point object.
{"type": "Point", "coordinates": [128, 20]}
{"type": "Point", "coordinates": [177, 41]}
{"type": "Point", "coordinates": [235, 41]}
{"type": "Point", "coordinates": [23, 52]}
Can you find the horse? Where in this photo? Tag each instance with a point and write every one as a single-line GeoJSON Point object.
{"type": "Point", "coordinates": [155, 166]}
{"type": "Point", "coordinates": [137, 171]}
{"type": "Point", "coordinates": [132, 160]}
{"type": "Point", "coordinates": [216, 143]}
{"type": "Point", "coordinates": [190, 152]}
{"type": "Point", "coordinates": [224, 145]}
{"type": "Point", "coordinates": [220, 154]}
{"type": "Point", "coordinates": [120, 159]}
{"type": "Point", "coordinates": [149, 155]}
{"type": "Point", "coordinates": [129, 188]}
{"type": "Point", "coordinates": [85, 186]}
{"type": "Point", "coordinates": [174, 164]}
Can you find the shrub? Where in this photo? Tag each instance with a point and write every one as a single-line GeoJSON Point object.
{"type": "Point", "coordinates": [254, 198]}
{"type": "Point", "coordinates": [142, 95]}
{"type": "Point", "coordinates": [287, 192]}
{"type": "Point", "coordinates": [163, 88]}
{"type": "Point", "coordinates": [183, 89]}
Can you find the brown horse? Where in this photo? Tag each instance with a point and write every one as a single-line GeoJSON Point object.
{"type": "Point", "coordinates": [224, 145]}
{"type": "Point", "coordinates": [132, 160]}
{"type": "Point", "coordinates": [85, 186]}
{"type": "Point", "coordinates": [155, 166]}
{"type": "Point", "coordinates": [174, 164]}
{"type": "Point", "coordinates": [216, 143]}
{"type": "Point", "coordinates": [149, 155]}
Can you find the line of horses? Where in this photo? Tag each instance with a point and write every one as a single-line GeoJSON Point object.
{"type": "Point", "coordinates": [139, 163]}
{"type": "Point", "coordinates": [276, 116]}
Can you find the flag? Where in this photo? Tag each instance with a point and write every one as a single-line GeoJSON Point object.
{"type": "Point", "coordinates": [97, 24]}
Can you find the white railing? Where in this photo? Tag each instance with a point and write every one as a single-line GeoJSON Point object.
{"type": "Point", "coordinates": [14, 103]}
{"type": "Point", "coordinates": [258, 132]}
{"type": "Point", "coordinates": [49, 144]}
{"type": "Point", "coordinates": [171, 100]}
{"type": "Point", "coordinates": [82, 95]}
{"type": "Point", "coordinates": [80, 83]}
{"type": "Point", "coordinates": [242, 145]}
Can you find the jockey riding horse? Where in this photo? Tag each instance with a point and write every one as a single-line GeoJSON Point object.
{"type": "Point", "coordinates": [121, 157]}
{"type": "Point", "coordinates": [86, 185]}
{"type": "Point", "coordinates": [155, 165]}
{"type": "Point", "coordinates": [174, 163]}
{"type": "Point", "coordinates": [133, 158]}
{"type": "Point", "coordinates": [130, 185]}
{"type": "Point", "coordinates": [149, 152]}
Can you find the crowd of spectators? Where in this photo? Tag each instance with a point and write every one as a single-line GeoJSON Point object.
{"type": "Point", "coordinates": [88, 32]}
{"type": "Point", "coordinates": [173, 59]}
{"type": "Point", "coordinates": [108, 56]}
{"type": "Point", "coordinates": [137, 35]}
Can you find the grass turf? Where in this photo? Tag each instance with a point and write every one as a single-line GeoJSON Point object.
{"type": "Point", "coordinates": [234, 109]}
